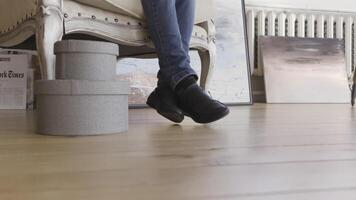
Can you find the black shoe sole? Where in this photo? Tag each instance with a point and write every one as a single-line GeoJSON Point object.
{"type": "Point", "coordinates": [206, 119]}
{"type": "Point", "coordinates": [172, 116]}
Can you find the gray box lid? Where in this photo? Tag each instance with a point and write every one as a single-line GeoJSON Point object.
{"type": "Point", "coordinates": [86, 46]}
{"type": "Point", "coordinates": [81, 87]}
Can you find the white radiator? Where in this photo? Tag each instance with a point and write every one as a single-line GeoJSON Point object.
{"type": "Point", "coordinates": [300, 23]}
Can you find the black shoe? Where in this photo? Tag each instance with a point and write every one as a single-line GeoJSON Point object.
{"type": "Point", "coordinates": [164, 100]}
{"type": "Point", "coordinates": [198, 105]}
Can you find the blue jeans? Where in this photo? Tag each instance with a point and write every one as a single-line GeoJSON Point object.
{"type": "Point", "coordinates": [170, 25]}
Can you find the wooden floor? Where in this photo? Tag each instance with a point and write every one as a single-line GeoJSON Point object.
{"type": "Point", "coordinates": [263, 152]}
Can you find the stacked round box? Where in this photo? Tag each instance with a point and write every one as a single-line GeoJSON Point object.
{"type": "Point", "coordinates": [85, 99]}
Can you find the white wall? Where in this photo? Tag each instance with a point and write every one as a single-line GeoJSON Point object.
{"type": "Point", "coordinates": [333, 5]}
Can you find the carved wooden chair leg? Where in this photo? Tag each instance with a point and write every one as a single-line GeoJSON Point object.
{"type": "Point", "coordinates": [208, 58]}
{"type": "Point", "coordinates": [207, 66]}
{"type": "Point", "coordinates": [49, 31]}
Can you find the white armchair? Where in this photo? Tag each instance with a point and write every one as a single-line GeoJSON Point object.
{"type": "Point", "coordinates": [119, 21]}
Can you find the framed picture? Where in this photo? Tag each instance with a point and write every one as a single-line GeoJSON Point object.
{"type": "Point", "coordinates": [304, 70]}
{"type": "Point", "coordinates": [230, 82]}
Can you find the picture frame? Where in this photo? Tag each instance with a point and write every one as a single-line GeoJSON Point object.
{"type": "Point", "coordinates": [304, 70]}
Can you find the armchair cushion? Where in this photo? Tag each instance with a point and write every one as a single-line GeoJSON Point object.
{"type": "Point", "coordinates": [24, 10]}
{"type": "Point", "coordinates": [133, 8]}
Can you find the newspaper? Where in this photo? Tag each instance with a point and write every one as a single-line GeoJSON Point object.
{"type": "Point", "coordinates": [13, 81]}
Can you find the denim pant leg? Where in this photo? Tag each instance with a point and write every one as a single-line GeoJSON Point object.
{"type": "Point", "coordinates": [166, 35]}
{"type": "Point", "coordinates": [185, 14]}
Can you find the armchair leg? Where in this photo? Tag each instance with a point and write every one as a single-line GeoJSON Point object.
{"type": "Point", "coordinates": [49, 30]}
{"type": "Point", "coordinates": [208, 58]}
{"type": "Point", "coordinates": [207, 66]}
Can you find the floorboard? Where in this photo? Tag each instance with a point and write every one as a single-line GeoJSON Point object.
{"type": "Point", "coordinates": [269, 152]}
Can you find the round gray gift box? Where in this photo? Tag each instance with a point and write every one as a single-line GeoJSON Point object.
{"type": "Point", "coordinates": [85, 60]}
{"type": "Point", "coordinates": [72, 107]}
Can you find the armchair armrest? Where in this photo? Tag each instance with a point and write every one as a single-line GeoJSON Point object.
{"type": "Point", "coordinates": [14, 12]}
